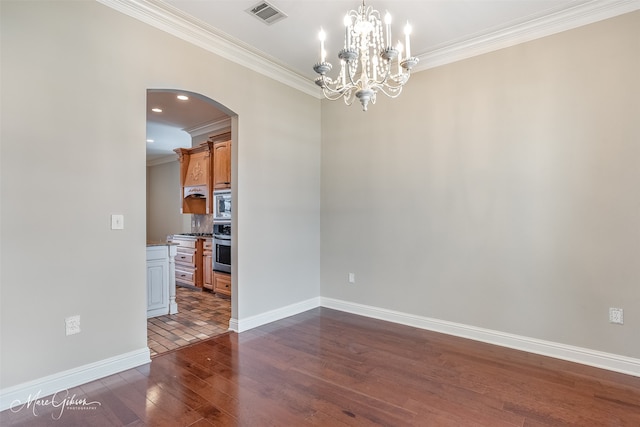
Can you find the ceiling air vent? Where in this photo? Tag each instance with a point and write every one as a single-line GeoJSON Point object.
{"type": "Point", "coordinates": [266, 13]}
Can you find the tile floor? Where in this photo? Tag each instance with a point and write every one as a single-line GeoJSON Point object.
{"type": "Point", "coordinates": [201, 315]}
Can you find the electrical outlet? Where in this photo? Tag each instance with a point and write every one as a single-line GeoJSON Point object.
{"type": "Point", "coordinates": [352, 277]}
{"type": "Point", "coordinates": [72, 325]}
{"type": "Point", "coordinates": [616, 316]}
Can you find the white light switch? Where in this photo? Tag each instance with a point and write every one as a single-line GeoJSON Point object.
{"type": "Point", "coordinates": [117, 222]}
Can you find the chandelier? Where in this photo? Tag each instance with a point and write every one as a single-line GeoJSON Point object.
{"type": "Point", "coordinates": [368, 62]}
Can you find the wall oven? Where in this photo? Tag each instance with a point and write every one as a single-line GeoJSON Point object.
{"type": "Point", "coordinates": [222, 247]}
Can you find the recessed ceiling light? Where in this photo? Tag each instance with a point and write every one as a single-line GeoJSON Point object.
{"type": "Point", "coordinates": [183, 97]}
{"type": "Point", "coordinates": [157, 110]}
{"type": "Point", "coordinates": [149, 140]}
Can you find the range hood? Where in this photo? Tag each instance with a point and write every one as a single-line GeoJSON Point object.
{"type": "Point", "coordinates": [196, 192]}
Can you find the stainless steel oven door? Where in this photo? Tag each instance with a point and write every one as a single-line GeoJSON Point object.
{"type": "Point", "coordinates": [222, 255]}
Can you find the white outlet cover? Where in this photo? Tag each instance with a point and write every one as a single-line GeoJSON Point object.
{"type": "Point", "coordinates": [616, 315]}
{"type": "Point", "coordinates": [72, 325]}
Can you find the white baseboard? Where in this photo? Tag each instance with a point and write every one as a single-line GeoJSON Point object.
{"type": "Point", "coordinates": [612, 362]}
{"type": "Point", "coordinates": [233, 324]}
{"type": "Point", "coordinates": [241, 325]}
{"type": "Point", "coordinates": [42, 387]}
{"type": "Point", "coordinates": [71, 378]}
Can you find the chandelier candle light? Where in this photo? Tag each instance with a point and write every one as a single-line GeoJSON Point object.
{"type": "Point", "coordinates": [367, 60]}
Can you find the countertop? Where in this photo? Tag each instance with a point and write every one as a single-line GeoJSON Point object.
{"type": "Point", "coordinates": [161, 244]}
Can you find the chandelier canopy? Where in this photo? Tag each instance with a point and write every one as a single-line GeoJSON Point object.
{"type": "Point", "coordinates": [368, 62]}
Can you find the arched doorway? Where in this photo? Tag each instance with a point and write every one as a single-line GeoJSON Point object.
{"type": "Point", "coordinates": [183, 119]}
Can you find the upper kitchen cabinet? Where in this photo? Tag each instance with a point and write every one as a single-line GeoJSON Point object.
{"type": "Point", "coordinates": [222, 165]}
{"type": "Point", "coordinates": [195, 178]}
{"type": "Point", "coordinates": [203, 169]}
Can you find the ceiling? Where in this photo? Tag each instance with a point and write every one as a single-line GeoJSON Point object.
{"type": "Point", "coordinates": [293, 41]}
{"type": "Point", "coordinates": [178, 122]}
{"type": "Point", "coordinates": [443, 31]}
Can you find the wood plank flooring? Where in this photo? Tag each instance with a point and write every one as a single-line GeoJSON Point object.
{"type": "Point", "coordinates": [328, 368]}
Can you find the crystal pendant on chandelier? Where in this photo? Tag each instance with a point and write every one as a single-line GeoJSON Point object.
{"type": "Point", "coordinates": [368, 62]}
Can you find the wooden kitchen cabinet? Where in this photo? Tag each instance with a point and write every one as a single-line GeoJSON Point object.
{"type": "Point", "coordinates": [188, 261]}
{"type": "Point", "coordinates": [207, 264]}
{"type": "Point", "coordinates": [202, 170]}
{"type": "Point", "coordinates": [222, 283]}
{"type": "Point", "coordinates": [222, 165]}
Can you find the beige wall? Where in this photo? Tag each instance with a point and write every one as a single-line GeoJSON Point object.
{"type": "Point", "coordinates": [499, 192]}
{"type": "Point", "coordinates": [73, 152]}
{"type": "Point", "coordinates": [163, 207]}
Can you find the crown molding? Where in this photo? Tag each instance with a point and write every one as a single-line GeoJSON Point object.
{"type": "Point", "coordinates": [173, 21]}
{"type": "Point", "coordinates": [210, 127]}
{"type": "Point", "coordinates": [162, 160]}
{"type": "Point", "coordinates": [553, 23]}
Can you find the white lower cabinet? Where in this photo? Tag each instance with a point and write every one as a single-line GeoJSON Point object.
{"type": "Point", "coordinates": [161, 284]}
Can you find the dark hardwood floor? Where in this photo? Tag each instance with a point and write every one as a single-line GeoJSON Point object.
{"type": "Point", "coordinates": [328, 368]}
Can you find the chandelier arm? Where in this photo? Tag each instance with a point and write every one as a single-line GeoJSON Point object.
{"type": "Point", "coordinates": [333, 96]}
{"type": "Point", "coordinates": [350, 98]}
{"type": "Point", "coordinates": [401, 79]}
{"type": "Point", "coordinates": [393, 93]}
{"type": "Point", "coordinates": [390, 83]}
{"type": "Point", "coordinates": [327, 90]}
{"type": "Point", "coordinates": [386, 75]}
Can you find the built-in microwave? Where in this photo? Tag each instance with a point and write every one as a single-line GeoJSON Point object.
{"type": "Point", "coordinates": [222, 206]}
